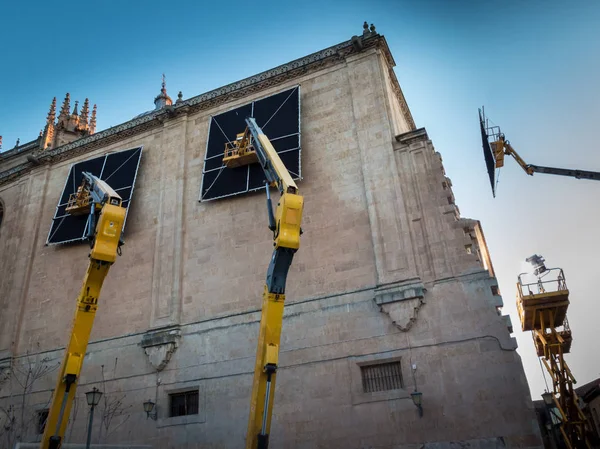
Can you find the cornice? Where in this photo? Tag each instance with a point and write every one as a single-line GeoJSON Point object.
{"type": "Point", "coordinates": [246, 87]}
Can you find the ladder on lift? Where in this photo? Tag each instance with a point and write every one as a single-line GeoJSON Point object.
{"type": "Point", "coordinates": [542, 307]}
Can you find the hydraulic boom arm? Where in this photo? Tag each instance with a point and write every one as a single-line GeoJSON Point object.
{"type": "Point", "coordinates": [285, 224]}
{"type": "Point", "coordinates": [105, 237]}
{"type": "Point", "coordinates": [496, 146]}
{"type": "Point", "coordinates": [504, 146]}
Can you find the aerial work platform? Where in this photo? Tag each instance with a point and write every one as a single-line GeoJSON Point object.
{"type": "Point", "coordinates": [240, 152]}
{"type": "Point", "coordinates": [543, 304]}
{"type": "Point", "coordinates": [542, 307]}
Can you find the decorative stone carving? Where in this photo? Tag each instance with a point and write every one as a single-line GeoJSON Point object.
{"type": "Point", "coordinates": [401, 301]}
{"type": "Point", "coordinates": [160, 344]}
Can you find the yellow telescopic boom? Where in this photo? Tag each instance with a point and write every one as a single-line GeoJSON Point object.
{"type": "Point", "coordinates": [254, 146]}
{"type": "Point", "coordinates": [106, 240]}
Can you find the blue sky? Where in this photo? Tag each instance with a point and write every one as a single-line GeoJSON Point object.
{"type": "Point", "coordinates": [534, 65]}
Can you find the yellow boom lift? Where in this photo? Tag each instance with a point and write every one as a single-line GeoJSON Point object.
{"type": "Point", "coordinates": [249, 147]}
{"type": "Point", "coordinates": [496, 146]}
{"type": "Point", "coordinates": [542, 307]}
{"type": "Point", "coordinates": [94, 195]}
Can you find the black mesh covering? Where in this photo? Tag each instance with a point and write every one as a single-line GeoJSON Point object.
{"type": "Point", "coordinates": [117, 169]}
{"type": "Point", "coordinates": [490, 161]}
{"type": "Point", "coordinates": [279, 118]}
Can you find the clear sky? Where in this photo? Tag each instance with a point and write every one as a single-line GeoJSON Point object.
{"type": "Point", "coordinates": [535, 66]}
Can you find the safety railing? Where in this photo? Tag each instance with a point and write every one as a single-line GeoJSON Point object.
{"type": "Point", "coordinates": [542, 284]}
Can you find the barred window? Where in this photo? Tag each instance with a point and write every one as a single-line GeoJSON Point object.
{"type": "Point", "coordinates": [185, 403]}
{"type": "Point", "coordinates": [381, 377]}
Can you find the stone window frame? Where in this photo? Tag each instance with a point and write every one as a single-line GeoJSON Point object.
{"type": "Point", "coordinates": [163, 405]}
{"type": "Point", "coordinates": [356, 385]}
{"type": "Point", "coordinates": [186, 395]}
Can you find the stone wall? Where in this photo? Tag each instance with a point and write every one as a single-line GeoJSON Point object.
{"type": "Point", "coordinates": [387, 271]}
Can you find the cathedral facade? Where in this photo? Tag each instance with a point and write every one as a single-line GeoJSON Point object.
{"type": "Point", "coordinates": [391, 293]}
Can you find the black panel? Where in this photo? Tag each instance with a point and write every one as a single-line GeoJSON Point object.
{"type": "Point", "coordinates": [117, 169]}
{"type": "Point", "coordinates": [279, 118]}
{"type": "Point", "coordinates": [488, 155]}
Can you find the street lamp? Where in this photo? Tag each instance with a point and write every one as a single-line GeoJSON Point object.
{"type": "Point", "coordinates": [93, 399]}
{"type": "Point", "coordinates": [417, 398]}
{"type": "Point", "coordinates": [148, 407]}
{"type": "Point", "coordinates": [548, 398]}
{"type": "Point", "coordinates": [553, 419]}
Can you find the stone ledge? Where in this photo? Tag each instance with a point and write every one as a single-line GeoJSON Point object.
{"type": "Point", "coordinates": [161, 336]}
{"type": "Point", "coordinates": [400, 291]}
{"type": "Point", "coordinates": [409, 137]}
{"type": "Point", "coordinates": [83, 446]}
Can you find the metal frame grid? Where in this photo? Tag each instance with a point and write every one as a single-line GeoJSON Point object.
{"type": "Point", "coordinates": [125, 202]}
{"type": "Point", "coordinates": [296, 176]}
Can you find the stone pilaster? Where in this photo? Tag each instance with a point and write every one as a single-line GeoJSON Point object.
{"type": "Point", "coordinates": [167, 271]}
{"type": "Point", "coordinates": [394, 255]}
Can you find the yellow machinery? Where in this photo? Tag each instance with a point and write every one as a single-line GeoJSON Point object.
{"type": "Point", "coordinates": [239, 153]}
{"type": "Point", "coordinates": [496, 146]}
{"type": "Point", "coordinates": [253, 146]}
{"type": "Point", "coordinates": [105, 237]}
{"type": "Point", "coordinates": [542, 307]}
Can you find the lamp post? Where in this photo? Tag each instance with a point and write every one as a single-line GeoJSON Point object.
{"type": "Point", "coordinates": [553, 419]}
{"type": "Point", "coordinates": [93, 399]}
{"type": "Point", "coordinates": [148, 407]}
{"type": "Point", "coordinates": [417, 398]}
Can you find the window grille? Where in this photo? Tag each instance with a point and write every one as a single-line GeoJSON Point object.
{"type": "Point", "coordinates": [381, 377]}
{"type": "Point", "coordinates": [185, 403]}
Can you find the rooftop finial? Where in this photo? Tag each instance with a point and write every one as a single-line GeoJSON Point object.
{"type": "Point", "coordinates": [163, 99]}
{"type": "Point", "coordinates": [65, 110]}
{"type": "Point", "coordinates": [85, 110]}
{"type": "Point", "coordinates": [179, 97]}
{"type": "Point", "coordinates": [365, 27]}
{"type": "Point", "coordinates": [93, 121]}
{"type": "Point", "coordinates": [52, 112]}
{"type": "Point", "coordinates": [75, 111]}
{"type": "Point", "coordinates": [372, 28]}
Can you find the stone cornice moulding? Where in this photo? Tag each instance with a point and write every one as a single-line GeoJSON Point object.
{"type": "Point", "coordinates": [240, 89]}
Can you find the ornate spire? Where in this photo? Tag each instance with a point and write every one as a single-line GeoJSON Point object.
{"type": "Point", "coordinates": [93, 121]}
{"type": "Point", "coordinates": [162, 99]}
{"type": "Point", "coordinates": [83, 117]}
{"type": "Point", "coordinates": [65, 110]}
{"type": "Point", "coordinates": [52, 112]}
{"type": "Point", "coordinates": [75, 112]}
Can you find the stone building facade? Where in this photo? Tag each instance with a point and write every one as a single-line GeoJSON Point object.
{"type": "Point", "coordinates": [388, 273]}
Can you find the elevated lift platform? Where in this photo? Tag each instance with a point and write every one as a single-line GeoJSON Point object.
{"type": "Point", "coordinates": [240, 152]}
{"type": "Point", "coordinates": [542, 307]}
